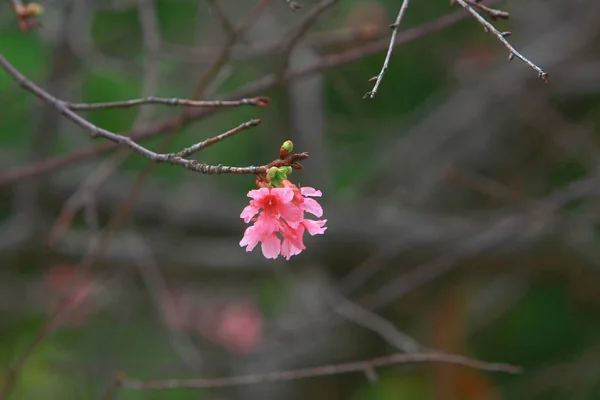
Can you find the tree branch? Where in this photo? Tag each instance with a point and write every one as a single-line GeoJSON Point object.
{"type": "Point", "coordinates": [172, 158]}
{"type": "Point", "coordinates": [365, 366]}
{"type": "Point", "coordinates": [388, 56]}
{"type": "Point", "coordinates": [255, 101]}
{"type": "Point", "coordinates": [489, 28]}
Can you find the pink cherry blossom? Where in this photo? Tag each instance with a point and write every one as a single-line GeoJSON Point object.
{"type": "Point", "coordinates": [274, 202]}
{"type": "Point", "coordinates": [280, 224]}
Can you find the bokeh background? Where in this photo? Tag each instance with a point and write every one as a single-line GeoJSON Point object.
{"type": "Point", "coordinates": [462, 202]}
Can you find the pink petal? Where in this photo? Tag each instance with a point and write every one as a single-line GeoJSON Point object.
{"type": "Point", "coordinates": [285, 250]}
{"type": "Point", "coordinates": [292, 214]}
{"type": "Point", "coordinates": [271, 246]}
{"type": "Point", "coordinates": [313, 207]}
{"type": "Point", "coordinates": [285, 195]}
{"type": "Point", "coordinates": [267, 223]}
{"type": "Point", "coordinates": [308, 191]}
{"type": "Point", "coordinates": [288, 249]}
{"type": "Point", "coordinates": [248, 212]}
{"type": "Point", "coordinates": [314, 227]}
{"type": "Point", "coordinates": [258, 193]}
{"type": "Point", "coordinates": [250, 239]}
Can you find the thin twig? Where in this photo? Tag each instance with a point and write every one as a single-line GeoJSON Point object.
{"type": "Point", "coordinates": [388, 56]}
{"type": "Point", "coordinates": [210, 141]}
{"type": "Point", "coordinates": [492, 12]}
{"type": "Point", "coordinates": [255, 101]}
{"type": "Point", "coordinates": [502, 37]}
{"type": "Point", "coordinates": [326, 370]}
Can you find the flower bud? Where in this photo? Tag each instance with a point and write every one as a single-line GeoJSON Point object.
{"type": "Point", "coordinates": [286, 149]}
{"type": "Point", "coordinates": [34, 9]}
{"type": "Point", "coordinates": [272, 172]}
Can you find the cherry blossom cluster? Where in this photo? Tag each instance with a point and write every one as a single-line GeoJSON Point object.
{"type": "Point", "coordinates": [281, 222]}
{"type": "Point", "coordinates": [277, 210]}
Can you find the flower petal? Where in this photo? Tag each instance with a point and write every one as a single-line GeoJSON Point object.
{"type": "Point", "coordinates": [250, 239]}
{"type": "Point", "coordinates": [248, 212]}
{"type": "Point", "coordinates": [315, 227]}
{"type": "Point", "coordinates": [292, 214]}
{"type": "Point", "coordinates": [313, 207]}
{"type": "Point", "coordinates": [271, 246]}
{"type": "Point", "coordinates": [288, 249]}
{"type": "Point", "coordinates": [258, 193]}
{"type": "Point", "coordinates": [267, 223]}
{"type": "Point", "coordinates": [308, 191]}
{"type": "Point", "coordinates": [285, 195]}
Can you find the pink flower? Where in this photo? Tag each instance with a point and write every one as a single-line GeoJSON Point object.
{"type": "Point", "coordinates": [280, 224]}
{"type": "Point", "coordinates": [238, 325]}
{"type": "Point", "coordinates": [274, 202]}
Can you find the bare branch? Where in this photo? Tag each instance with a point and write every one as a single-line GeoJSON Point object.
{"type": "Point", "coordinates": [209, 142]}
{"type": "Point", "coordinates": [492, 12]}
{"type": "Point", "coordinates": [255, 101]}
{"type": "Point", "coordinates": [172, 158]}
{"type": "Point", "coordinates": [388, 56]}
{"type": "Point", "coordinates": [326, 370]}
{"type": "Point", "coordinates": [489, 28]}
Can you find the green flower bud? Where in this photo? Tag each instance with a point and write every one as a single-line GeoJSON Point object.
{"type": "Point", "coordinates": [272, 172]}
{"type": "Point", "coordinates": [288, 146]}
{"type": "Point", "coordinates": [286, 149]}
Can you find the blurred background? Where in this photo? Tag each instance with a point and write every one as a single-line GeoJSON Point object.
{"type": "Point", "coordinates": [462, 202]}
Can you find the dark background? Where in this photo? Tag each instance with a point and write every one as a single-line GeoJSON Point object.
{"type": "Point", "coordinates": [462, 203]}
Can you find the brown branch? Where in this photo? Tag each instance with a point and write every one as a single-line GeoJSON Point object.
{"type": "Point", "coordinates": [388, 56]}
{"type": "Point", "coordinates": [172, 158]}
{"type": "Point", "coordinates": [255, 101]}
{"type": "Point", "coordinates": [492, 12]}
{"type": "Point", "coordinates": [258, 86]}
{"type": "Point", "coordinates": [216, 139]}
{"type": "Point", "coordinates": [326, 370]}
{"type": "Point", "coordinates": [489, 28]}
